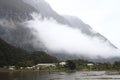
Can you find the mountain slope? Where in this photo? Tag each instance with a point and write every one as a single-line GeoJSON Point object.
{"type": "Point", "coordinates": [10, 55]}
{"type": "Point", "coordinates": [46, 11]}
{"type": "Point", "coordinates": [86, 29]}
{"type": "Point", "coordinates": [14, 13]}
{"type": "Point", "coordinates": [16, 10]}
{"type": "Point", "coordinates": [42, 57]}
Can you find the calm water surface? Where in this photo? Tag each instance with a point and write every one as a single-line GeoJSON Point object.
{"type": "Point", "coordinates": [37, 75]}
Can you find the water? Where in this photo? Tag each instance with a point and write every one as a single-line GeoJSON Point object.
{"type": "Point", "coordinates": [38, 75]}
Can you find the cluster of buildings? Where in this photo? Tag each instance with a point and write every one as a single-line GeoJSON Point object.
{"type": "Point", "coordinates": [45, 66]}
{"type": "Point", "coordinates": [41, 66]}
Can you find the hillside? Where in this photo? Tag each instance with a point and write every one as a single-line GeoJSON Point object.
{"type": "Point", "coordinates": [70, 35]}
{"type": "Point", "coordinates": [42, 57]}
{"type": "Point", "coordinates": [10, 55]}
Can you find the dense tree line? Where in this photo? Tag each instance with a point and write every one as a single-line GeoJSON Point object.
{"type": "Point", "coordinates": [42, 57]}
{"type": "Point", "coordinates": [83, 65]}
{"type": "Point", "coordinates": [10, 55]}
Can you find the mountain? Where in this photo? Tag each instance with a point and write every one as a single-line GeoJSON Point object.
{"type": "Point", "coordinates": [42, 57]}
{"type": "Point", "coordinates": [86, 29]}
{"type": "Point", "coordinates": [15, 10]}
{"type": "Point", "coordinates": [10, 55]}
{"type": "Point", "coordinates": [14, 13]}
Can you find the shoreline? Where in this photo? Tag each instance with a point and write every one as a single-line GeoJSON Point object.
{"type": "Point", "coordinates": [6, 70]}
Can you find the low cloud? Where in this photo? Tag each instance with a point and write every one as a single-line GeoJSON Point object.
{"type": "Point", "coordinates": [57, 37]}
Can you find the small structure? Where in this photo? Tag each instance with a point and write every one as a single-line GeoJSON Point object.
{"type": "Point", "coordinates": [45, 65]}
{"type": "Point", "coordinates": [62, 63]}
{"type": "Point", "coordinates": [29, 68]}
{"type": "Point", "coordinates": [21, 67]}
{"type": "Point", "coordinates": [90, 65]}
{"type": "Point", "coordinates": [11, 67]}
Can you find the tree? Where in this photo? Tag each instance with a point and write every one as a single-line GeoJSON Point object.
{"type": "Point", "coordinates": [70, 65]}
{"type": "Point", "coordinates": [25, 64]}
{"type": "Point", "coordinates": [116, 65]}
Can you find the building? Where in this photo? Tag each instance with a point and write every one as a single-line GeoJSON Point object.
{"type": "Point", "coordinates": [45, 65]}
{"type": "Point", "coordinates": [90, 64]}
{"type": "Point", "coordinates": [11, 67]}
{"type": "Point", "coordinates": [62, 63]}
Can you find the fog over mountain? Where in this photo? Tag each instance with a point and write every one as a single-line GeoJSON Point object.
{"type": "Point", "coordinates": [33, 25]}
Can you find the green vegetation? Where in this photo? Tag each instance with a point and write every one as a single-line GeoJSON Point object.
{"type": "Point", "coordinates": [25, 64]}
{"type": "Point", "coordinates": [70, 65]}
{"type": "Point", "coordinates": [10, 56]}
{"type": "Point", "coordinates": [87, 65]}
{"type": "Point", "coordinates": [81, 64]}
{"type": "Point", "coordinates": [42, 57]}
{"type": "Point", "coordinates": [116, 65]}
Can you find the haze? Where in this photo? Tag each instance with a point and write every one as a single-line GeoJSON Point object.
{"type": "Point", "coordinates": [57, 37]}
{"type": "Point", "coordinates": [102, 15]}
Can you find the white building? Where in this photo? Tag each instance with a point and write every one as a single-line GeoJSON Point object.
{"type": "Point", "coordinates": [11, 67]}
{"type": "Point", "coordinates": [38, 66]}
{"type": "Point", "coordinates": [90, 64]}
{"type": "Point", "coordinates": [62, 63]}
{"type": "Point", "coordinates": [46, 64]}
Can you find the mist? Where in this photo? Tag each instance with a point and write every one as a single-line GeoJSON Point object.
{"type": "Point", "coordinates": [57, 38]}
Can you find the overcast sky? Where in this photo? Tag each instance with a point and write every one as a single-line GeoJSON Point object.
{"type": "Point", "coordinates": [102, 15]}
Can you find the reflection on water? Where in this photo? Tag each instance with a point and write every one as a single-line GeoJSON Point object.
{"type": "Point", "coordinates": [38, 75]}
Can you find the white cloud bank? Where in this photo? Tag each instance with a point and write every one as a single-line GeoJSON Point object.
{"type": "Point", "coordinates": [57, 37]}
{"type": "Point", "coordinates": [102, 15]}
